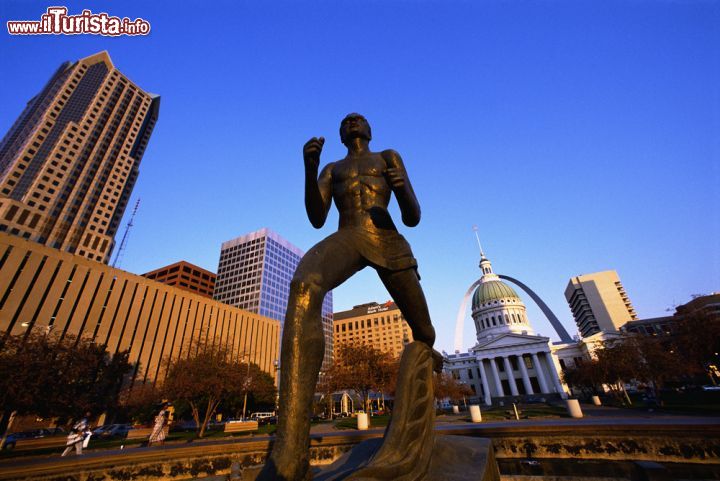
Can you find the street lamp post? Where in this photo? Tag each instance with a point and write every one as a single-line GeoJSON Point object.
{"type": "Point", "coordinates": [247, 385]}
{"type": "Point", "coordinates": [277, 381]}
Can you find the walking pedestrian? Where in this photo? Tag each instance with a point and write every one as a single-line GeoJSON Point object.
{"type": "Point", "coordinates": [161, 420]}
{"type": "Point", "coordinates": [78, 437]}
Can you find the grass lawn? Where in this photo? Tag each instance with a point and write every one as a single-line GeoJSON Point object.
{"type": "Point", "coordinates": [173, 437]}
{"type": "Point", "coordinates": [702, 403]}
{"type": "Point", "coordinates": [526, 411]}
{"type": "Point", "coordinates": [351, 423]}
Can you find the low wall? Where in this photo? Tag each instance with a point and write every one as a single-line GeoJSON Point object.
{"type": "Point", "coordinates": [694, 442]}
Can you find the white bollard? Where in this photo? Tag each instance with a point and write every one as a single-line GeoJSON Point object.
{"type": "Point", "coordinates": [573, 408]}
{"type": "Point", "coordinates": [456, 409]}
{"type": "Point", "coordinates": [362, 421]}
{"type": "Point", "coordinates": [596, 401]}
{"type": "Point", "coordinates": [475, 414]}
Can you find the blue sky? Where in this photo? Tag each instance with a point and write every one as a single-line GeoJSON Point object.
{"type": "Point", "coordinates": [579, 136]}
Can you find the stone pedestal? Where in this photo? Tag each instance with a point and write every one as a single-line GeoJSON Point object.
{"type": "Point", "coordinates": [453, 458]}
{"type": "Point", "coordinates": [573, 408]}
{"type": "Point", "coordinates": [362, 421]}
{"type": "Point", "coordinates": [475, 415]}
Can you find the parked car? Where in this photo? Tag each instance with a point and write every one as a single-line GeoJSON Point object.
{"type": "Point", "coordinates": [711, 388]}
{"type": "Point", "coordinates": [13, 438]}
{"type": "Point", "coordinates": [267, 420]}
{"type": "Point", "coordinates": [258, 416]}
{"type": "Point", "coordinates": [110, 431]}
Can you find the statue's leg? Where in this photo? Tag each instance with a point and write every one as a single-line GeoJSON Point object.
{"type": "Point", "coordinates": [406, 451]}
{"type": "Point", "coordinates": [323, 268]}
{"type": "Point", "coordinates": [404, 287]}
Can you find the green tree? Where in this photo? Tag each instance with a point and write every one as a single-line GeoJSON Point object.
{"type": "Point", "coordinates": [51, 377]}
{"type": "Point", "coordinates": [362, 368]}
{"type": "Point", "coordinates": [697, 341]}
{"type": "Point", "coordinates": [261, 392]}
{"type": "Point", "coordinates": [208, 377]}
{"type": "Point", "coordinates": [140, 404]}
{"type": "Point", "coordinates": [447, 387]}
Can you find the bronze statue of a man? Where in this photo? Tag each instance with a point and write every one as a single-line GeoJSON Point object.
{"type": "Point", "coordinates": [361, 185]}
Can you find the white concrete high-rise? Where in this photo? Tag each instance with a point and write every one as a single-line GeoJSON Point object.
{"type": "Point", "coordinates": [254, 274]}
{"type": "Point", "coordinates": [599, 303]}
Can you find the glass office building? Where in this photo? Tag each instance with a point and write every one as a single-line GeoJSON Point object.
{"type": "Point", "coordinates": [254, 274]}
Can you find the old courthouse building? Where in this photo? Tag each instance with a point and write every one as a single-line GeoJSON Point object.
{"type": "Point", "coordinates": [508, 360]}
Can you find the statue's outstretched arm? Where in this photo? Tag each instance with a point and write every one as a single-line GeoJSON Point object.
{"type": "Point", "coordinates": [400, 183]}
{"type": "Point", "coordinates": [318, 191]}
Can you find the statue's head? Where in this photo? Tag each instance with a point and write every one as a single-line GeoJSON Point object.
{"type": "Point", "coordinates": [354, 125]}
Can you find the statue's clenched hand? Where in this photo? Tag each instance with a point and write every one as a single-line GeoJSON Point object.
{"type": "Point", "coordinates": [311, 153]}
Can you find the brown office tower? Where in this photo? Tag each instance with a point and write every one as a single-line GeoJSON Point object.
{"type": "Point", "coordinates": [185, 276]}
{"type": "Point", "coordinates": [70, 161]}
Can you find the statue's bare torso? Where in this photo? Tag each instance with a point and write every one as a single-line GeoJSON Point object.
{"type": "Point", "coordinates": [360, 189]}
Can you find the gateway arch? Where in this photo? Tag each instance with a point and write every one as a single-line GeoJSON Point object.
{"type": "Point", "coordinates": [549, 314]}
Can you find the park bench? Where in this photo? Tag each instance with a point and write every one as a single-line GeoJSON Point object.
{"type": "Point", "coordinates": [241, 426]}
{"type": "Point", "coordinates": [144, 433]}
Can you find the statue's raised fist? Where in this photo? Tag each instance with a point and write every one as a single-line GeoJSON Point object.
{"type": "Point", "coordinates": [311, 152]}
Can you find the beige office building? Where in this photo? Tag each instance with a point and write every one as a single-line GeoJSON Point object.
{"type": "Point", "coordinates": [69, 162]}
{"type": "Point", "coordinates": [599, 303]}
{"type": "Point", "coordinates": [380, 325]}
{"type": "Point", "coordinates": [47, 290]}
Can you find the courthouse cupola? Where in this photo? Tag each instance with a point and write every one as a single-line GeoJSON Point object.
{"type": "Point", "coordinates": [496, 307]}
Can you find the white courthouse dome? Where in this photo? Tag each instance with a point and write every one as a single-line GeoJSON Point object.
{"type": "Point", "coordinates": [496, 307]}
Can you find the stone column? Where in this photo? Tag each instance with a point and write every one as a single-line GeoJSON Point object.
{"type": "Point", "coordinates": [554, 375]}
{"type": "Point", "coordinates": [524, 374]}
{"type": "Point", "coordinates": [510, 376]}
{"type": "Point", "coordinates": [485, 385]}
{"type": "Point", "coordinates": [496, 376]}
{"type": "Point", "coordinates": [540, 374]}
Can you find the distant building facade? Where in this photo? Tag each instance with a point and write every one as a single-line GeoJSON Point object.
{"type": "Point", "coordinates": [651, 327]}
{"type": "Point", "coordinates": [185, 276]}
{"type": "Point", "coordinates": [254, 273]}
{"type": "Point", "coordinates": [707, 306]}
{"type": "Point", "coordinates": [379, 325]}
{"type": "Point", "coordinates": [70, 161]}
{"type": "Point", "coordinates": [509, 361]}
{"type": "Point", "coordinates": [47, 290]}
{"type": "Point", "coordinates": [599, 303]}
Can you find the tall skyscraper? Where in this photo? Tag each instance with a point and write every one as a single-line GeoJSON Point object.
{"type": "Point", "coordinates": [254, 274]}
{"type": "Point", "coordinates": [599, 303]}
{"type": "Point", "coordinates": [69, 162]}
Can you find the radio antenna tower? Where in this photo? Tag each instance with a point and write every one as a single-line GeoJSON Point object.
{"type": "Point", "coordinates": [123, 242]}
